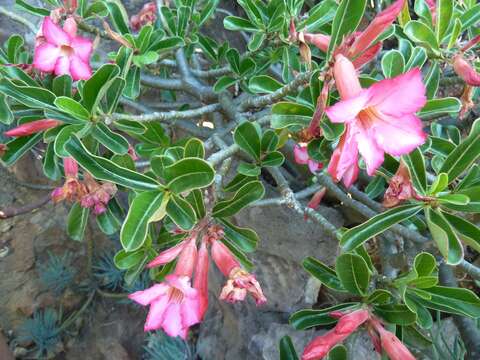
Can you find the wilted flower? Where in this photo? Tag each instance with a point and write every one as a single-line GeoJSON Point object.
{"type": "Point", "coordinates": [32, 127]}
{"type": "Point", "coordinates": [146, 16]}
{"type": "Point", "coordinates": [400, 188]}
{"type": "Point", "coordinates": [392, 345]}
{"type": "Point", "coordinates": [72, 189]}
{"type": "Point", "coordinates": [98, 195]}
{"type": "Point", "coordinates": [466, 71]}
{"type": "Point", "coordinates": [319, 347]}
{"type": "Point", "coordinates": [61, 51]}
{"type": "Point", "coordinates": [301, 157]}
{"type": "Point", "coordinates": [378, 120]}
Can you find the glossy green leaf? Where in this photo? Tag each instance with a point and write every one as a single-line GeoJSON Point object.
{"type": "Point", "coordinates": [34, 97]}
{"type": "Point", "coordinates": [396, 314]}
{"type": "Point", "coordinates": [415, 162]}
{"type": "Point", "coordinates": [111, 140]}
{"type": "Point", "coordinates": [270, 141]}
{"type": "Point", "coordinates": [393, 63]}
{"type": "Point", "coordinates": [77, 222]}
{"type": "Point", "coordinates": [305, 319]}
{"type": "Point", "coordinates": [245, 239]}
{"type": "Point", "coordinates": [444, 236]}
{"type": "Point", "coordinates": [287, 350]}
{"type": "Point", "coordinates": [421, 34]}
{"type": "Point", "coordinates": [236, 23]}
{"type": "Point", "coordinates": [322, 272]}
{"type": "Point", "coordinates": [62, 86]}
{"type": "Point", "coordinates": [223, 83]}
{"type": "Point", "coordinates": [118, 15]}
{"type": "Point", "coordinates": [359, 234]}
{"type": "Point", "coordinates": [72, 108]}
{"type": "Point", "coordinates": [248, 137]}
{"type": "Point", "coordinates": [440, 184]}
{"type": "Point", "coordinates": [126, 260]}
{"type": "Point", "coordinates": [417, 59]}
{"type": "Point", "coordinates": [469, 233]}
{"type": "Point", "coordinates": [248, 169]}
{"type": "Point", "coordinates": [275, 158]}
{"type": "Point", "coordinates": [424, 264]}
{"type": "Point", "coordinates": [188, 174]}
{"type": "Point", "coordinates": [194, 148]}
{"type": "Point", "coordinates": [195, 198]}
{"type": "Point", "coordinates": [263, 84]}
{"type": "Point", "coordinates": [18, 147]}
{"type": "Point", "coordinates": [6, 115]}
{"type": "Point", "coordinates": [447, 105]}
{"type": "Point", "coordinates": [181, 213]}
{"type": "Point", "coordinates": [353, 273]}
{"type": "Point", "coordinates": [444, 11]}
{"type": "Point", "coordinates": [451, 300]}
{"type": "Point", "coordinates": [246, 195]}
{"type": "Point", "coordinates": [96, 87]}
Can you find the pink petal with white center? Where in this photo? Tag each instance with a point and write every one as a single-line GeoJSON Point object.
{"type": "Point", "coordinates": [70, 27]}
{"type": "Point", "coordinates": [167, 256]}
{"type": "Point", "coordinates": [172, 320]}
{"type": "Point", "coordinates": [156, 314]}
{"type": "Point", "coordinates": [301, 154]}
{"type": "Point", "coordinates": [83, 48]}
{"type": "Point", "coordinates": [404, 94]}
{"type": "Point", "coordinates": [147, 296]}
{"type": "Point", "coordinates": [346, 111]}
{"type": "Point", "coordinates": [53, 33]}
{"type": "Point", "coordinates": [45, 57]}
{"type": "Point", "coordinates": [398, 136]}
{"type": "Point", "coordinates": [182, 283]}
{"type": "Point", "coordinates": [190, 312]}
{"type": "Point", "coordinates": [62, 66]}
{"type": "Point", "coordinates": [370, 151]}
{"type": "Point", "coordinates": [79, 69]}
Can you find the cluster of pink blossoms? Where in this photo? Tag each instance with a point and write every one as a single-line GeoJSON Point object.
{"type": "Point", "coordinates": [174, 304]}
{"type": "Point", "coordinates": [348, 323]}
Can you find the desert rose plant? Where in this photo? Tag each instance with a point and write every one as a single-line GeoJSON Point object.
{"type": "Point", "coordinates": [357, 98]}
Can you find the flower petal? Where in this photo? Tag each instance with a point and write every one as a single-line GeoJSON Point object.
{"type": "Point", "coordinates": [301, 154]}
{"type": "Point", "coordinates": [54, 33]}
{"type": "Point", "coordinates": [147, 296]}
{"type": "Point", "coordinates": [83, 48]}
{"type": "Point", "coordinates": [172, 320]}
{"type": "Point", "coordinates": [167, 256]}
{"type": "Point", "coordinates": [182, 283]}
{"type": "Point", "coordinates": [398, 136]}
{"type": "Point", "coordinates": [62, 66]}
{"type": "Point", "coordinates": [45, 57]}
{"type": "Point", "coordinates": [370, 151]}
{"type": "Point", "coordinates": [345, 111]}
{"type": "Point", "coordinates": [156, 314]}
{"type": "Point", "coordinates": [345, 158]}
{"type": "Point", "coordinates": [79, 69]}
{"type": "Point", "coordinates": [190, 312]}
{"type": "Point", "coordinates": [70, 27]}
{"type": "Point", "coordinates": [404, 94]}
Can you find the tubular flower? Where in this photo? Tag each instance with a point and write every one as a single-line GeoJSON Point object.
{"type": "Point", "coordinates": [239, 282]}
{"type": "Point", "coordinates": [72, 189]}
{"type": "Point", "coordinates": [174, 305]}
{"type": "Point", "coordinates": [98, 195]}
{"type": "Point", "coordinates": [61, 51]}
{"type": "Point", "coordinates": [400, 188]}
{"type": "Point", "coordinates": [32, 127]}
{"type": "Point", "coordinates": [319, 347]}
{"type": "Point", "coordinates": [378, 120]}
{"type": "Point", "coordinates": [201, 278]}
{"type": "Point", "coordinates": [301, 157]}
{"type": "Point", "coordinates": [466, 71]}
{"type": "Point", "coordinates": [392, 345]}
{"type": "Point", "coordinates": [146, 16]}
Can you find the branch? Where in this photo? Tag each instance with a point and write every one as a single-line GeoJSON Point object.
{"type": "Point", "coordinates": [168, 115]}
{"type": "Point", "coordinates": [305, 193]}
{"type": "Point", "coordinates": [11, 212]}
{"type": "Point", "coordinates": [470, 269]}
{"type": "Point", "coordinates": [18, 19]}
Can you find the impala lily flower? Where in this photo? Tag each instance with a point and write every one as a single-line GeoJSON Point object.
{"type": "Point", "coordinates": [378, 120]}
{"type": "Point", "coordinates": [61, 51]}
{"type": "Point", "coordinates": [72, 189]}
{"type": "Point", "coordinates": [400, 188]}
{"type": "Point", "coordinates": [98, 195]}
{"type": "Point", "coordinates": [32, 127]}
{"type": "Point", "coordinates": [392, 345]}
{"type": "Point", "coordinates": [301, 157]}
{"type": "Point", "coordinates": [239, 282]}
{"type": "Point", "coordinates": [201, 278]}
{"type": "Point", "coordinates": [466, 71]}
{"type": "Point", "coordinates": [146, 16]}
{"type": "Point", "coordinates": [174, 305]}
{"type": "Point", "coordinates": [319, 347]}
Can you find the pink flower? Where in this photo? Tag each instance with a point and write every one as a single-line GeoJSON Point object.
{"type": "Point", "coordinates": [170, 254]}
{"type": "Point", "coordinates": [201, 278]}
{"type": "Point", "coordinates": [466, 71]}
{"type": "Point", "coordinates": [319, 347]}
{"type": "Point", "coordinates": [317, 199]}
{"type": "Point", "coordinates": [72, 189]}
{"type": "Point", "coordinates": [174, 305]}
{"type": "Point", "coordinates": [392, 345]}
{"type": "Point", "coordinates": [301, 157]}
{"type": "Point", "coordinates": [97, 195]}
{"type": "Point", "coordinates": [32, 127]}
{"type": "Point", "coordinates": [62, 51]}
{"type": "Point", "coordinates": [239, 282]}
{"type": "Point", "coordinates": [378, 120]}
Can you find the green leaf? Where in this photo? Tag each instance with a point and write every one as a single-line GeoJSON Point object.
{"type": "Point", "coordinates": [417, 59]}
{"type": "Point", "coordinates": [379, 297]}
{"type": "Point", "coordinates": [444, 236]}
{"type": "Point", "coordinates": [469, 233]}
{"type": "Point", "coordinates": [305, 319]}
{"type": "Point", "coordinates": [50, 165]}
{"type": "Point", "coordinates": [62, 86]}
{"type": "Point", "coordinates": [339, 352]}
{"type": "Point", "coordinates": [356, 236]}
{"type": "Point", "coordinates": [132, 86]}
{"type": "Point", "coordinates": [353, 273]}
{"type": "Point", "coordinates": [470, 17]}
{"type": "Point", "coordinates": [111, 140]}
{"type": "Point", "coordinates": [464, 154]}
{"type": "Point", "coordinates": [77, 221]}
{"type": "Point", "coordinates": [444, 13]}
{"type": "Point", "coordinates": [245, 239]}
{"type": "Point", "coordinates": [223, 83]}
{"type": "Point", "coordinates": [396, 314]}
{"type": "Point", "coordinates": [275, 158]}
{"type": "Point", "coordinates": [238, 181]}
{"type": "Point", "coordinates": [248, 169]}
{"type": "Point", "coordinates": [207, 10]}
{"type": "Point", "coordinates": [6, 115]}
{"type": "Point", "coordinates": [424, 264]}
{"type": "Point", "coordinates": [181, 213]}
{"type": "Point", "coordinates": [188, 174]}
{"type": "Point", "coordinates": [393, 63]}
{"type": "Point", "coordinates": [104, 169]}
{"type": "Point", "coordinates": [18, 147]}
{"type": "Point", "coordinates": [246, 195]}
{"type": "Point", "coordinates": [270, 141]}
{"type": "Point", "coordinates": [347, 18]}
{"type": "Point", "coordinates": [194, 148]}
{"type": "Point", "coordinates": [31, 96]}
{"type": "Point", "coordinates": [167, 44]}
{"type": "Point", "coordinates": [95, 88]}
{"type": "Point", "coordinates": [142, 211]}
{"type": "Point", "coordinates": [440, 184]}
{"type": "Point", "coordinates": [422, 35]}
{"type": "Point", "coordinates": [118, 16]}
{"type": "Point", "coordinates": [72, 107]}
{"type": "Point", "coordinates": [432, 80]}
{"type": "Point", "coordinates": [287, 350]}
{"type": "Point", "coordinates": [129, 126]}
{"type": "Point", "coordinates": [235, 23]}
{"type": "Point", "coordinates": [322, 272]}
{"type": "Point", "coordinates": [457, 28]}
{"type": "Point", "coordinates": [447, 105]}
{"type": "Point", "coordinates": [416, 167]}
{"type": "Point", "coordinates": [263, 84]}
{"type": "Point", "coordinates": [248, 137]}
{"type": "Point", "coordinates": [37, 11]}
{"type": "Point", "coordinates": [108, 222]}
{"type": "Point", "coordinates": [424, 318]}
{"type": "Point", "coordinates": [127, 260]}
{"type": "Point", "coordinates": [195, 198]}
{"type": "Point", "coordinates": [64, 135]}
{"type": "Point", "coordinates": [452, 300]}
